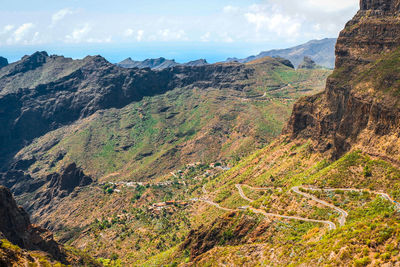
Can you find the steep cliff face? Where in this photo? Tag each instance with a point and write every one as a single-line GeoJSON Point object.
{"type": "Point", "coordinates": [16, 227]}
{"type": "Point", "coordinates": [355, 110]}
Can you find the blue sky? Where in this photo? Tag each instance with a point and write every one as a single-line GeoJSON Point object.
{"type": "Point", "coordinates": [183, 30]}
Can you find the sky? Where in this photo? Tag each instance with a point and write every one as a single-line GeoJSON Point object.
{"type": "Point", "coordinates": [177, 29]}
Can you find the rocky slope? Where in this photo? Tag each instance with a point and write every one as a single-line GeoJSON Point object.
{"type": "Point", "coordinates": [321, 51]}
{"type": "Point", "coordinates": [155, 64]}
{"type": "Point", "coordinates": [360, 103]}
{"type": "Point", "coordinates": [3, 62]}
{"type": "Point", "coordinates": [199, 62]}
{"type": "Point", "coordinates": [16, 232]}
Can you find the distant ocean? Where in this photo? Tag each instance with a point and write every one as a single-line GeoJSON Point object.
{"type": "Point", "coordinates": [181, 52]}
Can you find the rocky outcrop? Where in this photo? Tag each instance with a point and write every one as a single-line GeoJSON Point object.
{"type": "Point", "coordinates": [308, 64]}
{"type": "Point", "coordinates": [355, 110]}
{"type": "Point", "coordinates": [3, 62]}
{"type": "Point", "coordinates": [16, 227]}
{"type": "Point", "coordinates": [71, 178]}
{"type": "Point", "coordinates": [285, 62]}
{"type": "Point", "coordinates": [59, 186]}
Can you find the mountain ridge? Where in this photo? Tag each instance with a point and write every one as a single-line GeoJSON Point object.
{"type": "Point", "coordinates": [321, 51]}
{"type": "Point", "coordinates": [158, 63]}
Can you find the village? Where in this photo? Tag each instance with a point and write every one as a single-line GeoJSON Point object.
{"type": "Point", "coordinates": [178, 177]}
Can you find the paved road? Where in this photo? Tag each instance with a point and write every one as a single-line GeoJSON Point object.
{"type": "Point", "coordinates": [296, 189]}
{"type": "Point", "coordinates": [343, 213]}
{"type": "Point", "coordinates": [204, 189]}
{"type": "Point", "coordinates": [242, 194]}
{"type": "Point", "coordinates": [212, 204]}
{"type": "Point", "coordinates": [384, 195]}
{"type": "Point", "coordinates": [330, 224]}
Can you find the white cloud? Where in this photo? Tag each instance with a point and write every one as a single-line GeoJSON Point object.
{"type": "Point", "coordinates": [61, 14]}
{"type": "Point", "coordinates": [7, 29]}
{"type": "Point", "coordinates": [128, 32]}
{"type": "Point", "coordinates": [205, 37]}
{"type": "Point", "coordinates": [22, 31]}
{"type": "Point", "coordinates": [171, 35]}
{"type": "Point", "coordinates": [277, 23]}
{"type": "Point", "coordinates": [230, 9]}
{"type": "Point", "coordinates": [78, 34]}
{"type": "Point", "coordinates": [139, 36]}
{"type": "Point", "coordinates": [268, 21]}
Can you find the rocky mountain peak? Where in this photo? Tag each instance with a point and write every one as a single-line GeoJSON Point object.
{"type": "Point", "coordinates": [383, 5]}
{"type": "Point", "coordinates": [28, 63]}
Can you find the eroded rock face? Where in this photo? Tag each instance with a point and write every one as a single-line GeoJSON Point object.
{"type": "Point", "coordinates": [71, 178]}
{"type": "Point", "coordinates": [345, 115]}
{"type": "Point", "coordinates": [372, 31]}
{"type": "Point", "coordinates": [384, 5]}
{"type": "Point", "coordinates": [15, 226]}
{"type": "Point", "coordinates": [59, 186]}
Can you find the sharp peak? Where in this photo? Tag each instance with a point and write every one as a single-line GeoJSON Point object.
{"type": "Point", "coordinates": [96, 58]}
{"type": "Point", "coordinates": [38, 54]}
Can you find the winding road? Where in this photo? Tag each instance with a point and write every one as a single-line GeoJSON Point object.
{"type": "Point", "coordinates": [343, 213]}
{"type": "Point", "coordinates": [296, 189]}
{"type": "Point", "coordinates": [330, 224]}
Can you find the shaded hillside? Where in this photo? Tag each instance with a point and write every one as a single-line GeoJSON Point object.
{"type": "Point", "coordinates": [321, 51]}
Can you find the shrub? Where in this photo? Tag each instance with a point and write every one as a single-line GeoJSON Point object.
{"type": "Point", "coordinates": [367, 171]}
{"type": "Point", "coordinates": [362, 262]}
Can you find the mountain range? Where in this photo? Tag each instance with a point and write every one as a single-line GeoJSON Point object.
{"type": "Point", "coordinates": [320, 51]}
{"type": "Point", "coordinates": [226, 164]}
